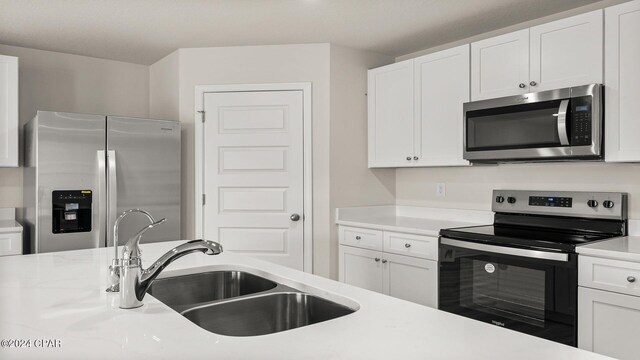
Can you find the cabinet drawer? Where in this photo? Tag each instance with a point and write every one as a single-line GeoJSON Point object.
{"type": "Point", "coordinates": [10, 244]}
{"type": "Point", "coordinates": [607, 274]}
{"type": "Point", "coordinates": [413, 245]}
{"type": "Point", "coordinates": [364, 238]}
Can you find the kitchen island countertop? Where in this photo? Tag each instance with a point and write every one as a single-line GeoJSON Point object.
{"type": "Point", "coordinates": [60, 296]}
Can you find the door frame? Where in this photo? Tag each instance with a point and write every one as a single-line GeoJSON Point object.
{"type": "Point", "coordinates": [305, 87]}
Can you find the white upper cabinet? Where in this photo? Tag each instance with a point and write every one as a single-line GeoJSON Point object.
{"type": "Point", "coordinates": [391, 118]}
{"type": "Point", "coordinates": [559, 54]}
{"type": "Point", "coordinates": [415, 110]}
{"type": "Point", "coordinates": [441, 87]}
{"type": "Point", "coordinates": [567, 52]}
{"type": "Point", "coordinates": [500, 66]}
{"type": "Point", "coordinates": [8, 111]}
{"type": "Point", "coordinates": [622, 76]}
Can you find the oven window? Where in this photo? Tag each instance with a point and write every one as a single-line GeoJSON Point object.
{"type": "Point", "coordinates": [514, 127]}
{"type": "Point", "coordinates": [514, 292]}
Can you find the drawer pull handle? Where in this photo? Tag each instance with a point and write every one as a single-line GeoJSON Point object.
{"type": "Point", "coordinates": [376, 259]}
{"type": "Point", "coordinates": [358, 237]}
{"type": "Point", "coordinates": [631, 279]}
{"type": "Point", "coordinates": [407, 245]}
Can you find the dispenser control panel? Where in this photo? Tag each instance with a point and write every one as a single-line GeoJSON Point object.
{"type": "Point", "coordinates": [71, 211]}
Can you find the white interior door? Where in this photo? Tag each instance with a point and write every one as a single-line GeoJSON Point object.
{"type": "Point", "coordinates": [253, 173]}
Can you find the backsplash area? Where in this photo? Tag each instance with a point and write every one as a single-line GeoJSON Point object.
{"type": "Point", "coordinates": [470, 187]}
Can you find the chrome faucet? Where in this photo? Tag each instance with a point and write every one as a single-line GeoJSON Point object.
{"type": "Point", "coordinates": [135, 281]}
{"type": "Point", "coordinates": [114, 268]}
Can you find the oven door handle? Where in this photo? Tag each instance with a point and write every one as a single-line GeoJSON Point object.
{"type": "Point", "coordinates": [536, 254]}
{"type": "Point", "coordinates": [562, 122]}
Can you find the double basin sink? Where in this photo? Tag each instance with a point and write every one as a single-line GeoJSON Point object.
{"type": "Point", "coordinates": [238, 303]}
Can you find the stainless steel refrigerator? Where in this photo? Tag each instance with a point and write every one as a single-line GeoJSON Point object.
{"type": "Point", "coordinates": [81, 171]}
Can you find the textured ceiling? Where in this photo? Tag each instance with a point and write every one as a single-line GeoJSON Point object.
{"type": "Point", "coordinates": [143, 31]}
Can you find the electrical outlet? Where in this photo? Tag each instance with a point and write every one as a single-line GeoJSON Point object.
{"type": "Point", "coordinates": [441, 190]}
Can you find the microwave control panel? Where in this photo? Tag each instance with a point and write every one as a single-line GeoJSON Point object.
{"type": "Point", "coordinates": [71, 211]}
{"type": "Point", "coordinates": [581, 110]}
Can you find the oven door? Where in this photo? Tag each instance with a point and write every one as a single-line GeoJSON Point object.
{"type": "Point", "coordinates": [530, 291]}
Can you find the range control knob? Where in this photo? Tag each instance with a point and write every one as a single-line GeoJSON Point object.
{"type": "Point", "coordinates": [592, 203]}
{"type": "Point", "coordinates": [511, 200]}
{"type": "Point", "coordinates": [608, 204]}
{"type": "Point", "coordinates": [499, 199]}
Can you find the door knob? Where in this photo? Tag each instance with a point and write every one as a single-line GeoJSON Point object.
{"type": "Point", "coordinates": [294, 217]}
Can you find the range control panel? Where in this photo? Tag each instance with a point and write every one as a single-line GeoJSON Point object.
{"type": "Point", "coordinates": [605, 205]}
{"type": "Point", "coordinates": [71, 211]}
{"type": "Point", "coordinates": [550, 201]}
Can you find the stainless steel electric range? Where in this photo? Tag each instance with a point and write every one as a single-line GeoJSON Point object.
{"type": "Point", "coordinates": [521, 272]}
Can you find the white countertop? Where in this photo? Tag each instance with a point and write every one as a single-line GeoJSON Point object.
{"type": "Point", "coordinates": [61, 296]}
{"type": "Point", "coordinates": [411, 219]}
{"type": "Point", "coordinates": [620, 248]}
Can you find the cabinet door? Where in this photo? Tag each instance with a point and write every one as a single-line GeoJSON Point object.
{"type": "Point", "coordinates": [608, 323]}
{"type": "Point", "coordinates": [411, 279]}
{"type": "Point", "coordinates": [391, 119]}
{"type": "Point", "coordinates": [361, 268]}
{"type": "Point", "coordinates": [500, 66]}
{"type": "Point", "coordinates": [8, 111]}
{"type": "Point", "coordinates": [442, 86]}
{"type": "Point", "coordinates": [621, 79]}
{"type": "Point", "coordinates": [567, 52]}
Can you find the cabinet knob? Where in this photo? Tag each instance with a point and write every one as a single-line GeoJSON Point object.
{"type": "Point", "coordinates": [631, 279]}
{"type": "Point", "coordinates": [294, 217]}
{"type": "Point", "coordinates": [376, 259]}
{"type": "Point", "coordinates": [407, 245]}
{"type": "Point", "coordinates": [408, 158]}
{"type": "Point", "coordinates": [533, 83]}
{"type": "Point", "coordinates": [384, 261]}
{"type": "Point", "coordinates": [415, 158]}
{"type": "Point", "coordinates": [358, 237]}
{"type": "Point", "coordinates": [522, 86]}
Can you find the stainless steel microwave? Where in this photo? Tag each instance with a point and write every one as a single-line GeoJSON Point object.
{"type": "Point", "coordinates": [563, 124]}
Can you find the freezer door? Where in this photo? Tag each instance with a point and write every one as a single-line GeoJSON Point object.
{"type": "Point", "coordinates": [144, 173]}
{"type": "Point", "coordinates": [69, 178]}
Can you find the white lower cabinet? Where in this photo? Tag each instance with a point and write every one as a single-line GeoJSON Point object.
{"type": "Point", "coordinates": [361, 268]}
{"type": "Point", "coordinates": [412, 277]}
{"type": "Point", "coordinates": [608, 323]}
{"type": "Point", "coordinates": [608, 307]}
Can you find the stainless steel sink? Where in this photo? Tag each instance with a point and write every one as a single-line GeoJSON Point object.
{"type": "Point", "coordinates": [265, 314]}
{"type": "Point", "coordinates": [187, 291]}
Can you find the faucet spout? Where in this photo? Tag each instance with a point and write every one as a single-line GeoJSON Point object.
{"type": "Point", "coordinates": [135, 281]}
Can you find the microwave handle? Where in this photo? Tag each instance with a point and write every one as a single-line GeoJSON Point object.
{"type": "Point", "coordinates": [562, 123]}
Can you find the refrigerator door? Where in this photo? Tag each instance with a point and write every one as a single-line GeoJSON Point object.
{"type": "Point", "coordinates": [69, 171]}
{"type": "Point", "coordinates": [144, 159]}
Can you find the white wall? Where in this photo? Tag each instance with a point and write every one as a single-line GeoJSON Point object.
{"type": "Point", "coordinates": [470, 187]}
{"type": "Point", "coordinates": [252, 65]}
{"type": "Point", "coordinates": [71, 83]}
{"type": "Point", "coordinates": [352, 183]}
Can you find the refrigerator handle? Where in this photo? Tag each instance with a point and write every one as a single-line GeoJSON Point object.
{"type": "Point", "coordinates": [112, 193]}
{"type": "Point", "coordinates": [102, 198]}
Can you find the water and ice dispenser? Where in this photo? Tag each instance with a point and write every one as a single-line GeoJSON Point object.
{"type": "Point", "coordinates": [71, 210]}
